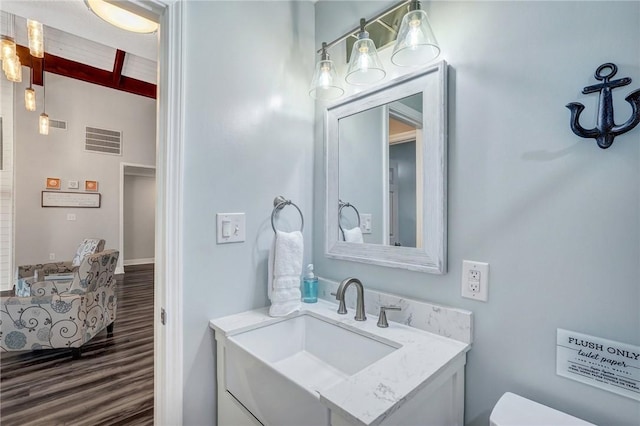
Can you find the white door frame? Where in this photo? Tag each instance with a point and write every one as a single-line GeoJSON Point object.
{"type": "Point", "coordinates": [168, 364]}
{"type": "Point", "coordinates": [123, 173]}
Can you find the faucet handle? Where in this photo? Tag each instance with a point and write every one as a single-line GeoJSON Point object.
{"type": "Point", "coordinates": [382, 319]}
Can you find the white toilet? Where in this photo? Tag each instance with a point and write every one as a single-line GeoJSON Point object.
{"type": "Point", "coordinates": [514, 410]}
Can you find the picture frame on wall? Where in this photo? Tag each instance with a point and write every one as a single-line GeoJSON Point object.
{"type": "Point", "coordinates": [91, 185]}
{"type": "Point", "coordinates": [53, 183]}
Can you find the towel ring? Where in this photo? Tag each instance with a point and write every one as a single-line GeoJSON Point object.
{"type": "Point", "coordinates": [342, 205]}
{"type": "Point", "coordinates": [278, 204]}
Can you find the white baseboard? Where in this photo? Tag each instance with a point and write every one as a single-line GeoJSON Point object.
{"type": "Point", "coordinates": [119, 270]}
{"type": "Point", "coordinates": [131, 262]}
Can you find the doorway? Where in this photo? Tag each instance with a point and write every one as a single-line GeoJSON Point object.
{"type": "Point", "coordinates": [137, 214]}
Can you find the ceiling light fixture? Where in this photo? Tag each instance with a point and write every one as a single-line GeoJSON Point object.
{"type": "Point", "coordinates": [365, 66]}
{"type": "Point", "coordinates": [30, 95]}
{"type": "Point", "coordinates": [325, 84]}
{"type": "Point", "coordinates": [416, 44]}
{"type": "Point", "coordinates": [121, 18]}
{"type": "Point", "coordinates": [36, 38]}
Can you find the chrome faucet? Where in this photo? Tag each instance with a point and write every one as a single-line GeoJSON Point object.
{"type": "Point", "coordinates": [342, 309]}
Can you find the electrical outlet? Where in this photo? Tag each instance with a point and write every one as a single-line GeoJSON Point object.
{"type": "Point", "coordinates": [52, 256]}
{"type": "Point", "coordinates": [71, 216]}
{"type": "Point", "coordinates": [475, 280]}
{"type": "Point", "coordinates": [365, 223]}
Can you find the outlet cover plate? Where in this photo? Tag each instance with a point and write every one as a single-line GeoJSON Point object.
{"type": "Point", "coordinates": [475, 280]}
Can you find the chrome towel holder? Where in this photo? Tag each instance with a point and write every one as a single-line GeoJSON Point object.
{"type": "Point", "coordinates": [278, 204]}
{"type": "Point", "coordinates": [342, 205]}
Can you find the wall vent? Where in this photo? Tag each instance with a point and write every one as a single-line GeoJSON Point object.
{"type": "Point", "coordinates": [103, 141]}
{"type": "Point", "coordinates": [57, 124]}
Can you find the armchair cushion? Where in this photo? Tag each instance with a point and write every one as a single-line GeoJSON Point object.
{"type": "Point", "coordinates": [87, 247]}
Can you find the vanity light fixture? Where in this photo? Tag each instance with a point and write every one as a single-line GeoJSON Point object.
{"type": "Point", "coordinates": [416, 44]}
{"type": "Point", "coordinates": [121, 18]}
{"type": "Point", "coordinates": [36, 38]}
{"type": "Point", "coordinates": [325, 84]}
{"type": "Point", "coordinates": [43, 122]}
{"type": "Point", "coordinates": [30, 95]}
{"type": "Point", "coordinates": [365, 66]}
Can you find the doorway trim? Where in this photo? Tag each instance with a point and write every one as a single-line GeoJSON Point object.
{"type": "Point", "coordinates": [168, 338]}
{"type": "Point", "coordinates": [123, 173]}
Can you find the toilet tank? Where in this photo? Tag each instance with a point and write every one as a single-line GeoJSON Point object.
{"type": "Point", "coordinates": [514, 410]}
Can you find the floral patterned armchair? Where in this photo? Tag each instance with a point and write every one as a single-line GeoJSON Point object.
{"type": "Point", "coordinates": [27, 274]}
{"type": "Point", "coordinates": [62, 314]}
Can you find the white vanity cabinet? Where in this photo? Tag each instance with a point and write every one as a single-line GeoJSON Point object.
{"type": "Point", "coordinates": [316, 367]}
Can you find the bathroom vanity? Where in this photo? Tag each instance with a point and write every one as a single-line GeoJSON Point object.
{"type": "Point", "coordinates": [316, 367]}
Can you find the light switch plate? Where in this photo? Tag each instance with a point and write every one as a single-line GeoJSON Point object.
{"type": "Point", "coordinates": [475, 280]}
{"type": "Point", "coordinates": [231, 227]}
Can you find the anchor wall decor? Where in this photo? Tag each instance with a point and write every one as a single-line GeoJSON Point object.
{"type": "Point", "coordinates": [606, 129]}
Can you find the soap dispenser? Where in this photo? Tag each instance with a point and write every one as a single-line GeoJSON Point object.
{"type": "Point", "coordinates": [310, 286]}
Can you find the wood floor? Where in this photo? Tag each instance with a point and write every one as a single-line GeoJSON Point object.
{"type": "Point", "coordinates": [111, 384]}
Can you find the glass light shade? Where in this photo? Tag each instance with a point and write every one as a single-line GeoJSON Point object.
{"type": "Point", "coordinates": [8, 46]}
{"type": "Point", "coordinates": [12, 69]}
{"type": "Point", "coordinates": [365, 66]}
{"type": "Point", "coordinates": [36, 38]}
{"type": "Point", "coordinates": [325, 84]}
{"type": "Point", "coordinates": [121, 18]}
{"type": "Point", "coordinates": [416, 44]}
{"type": "Point", "coordinates": [44, 124]}
{"type": "Point", "coordinates": [30, 99]}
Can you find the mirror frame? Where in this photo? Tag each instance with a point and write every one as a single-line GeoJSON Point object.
{"type": "Point", "coordinates": [432, 257]}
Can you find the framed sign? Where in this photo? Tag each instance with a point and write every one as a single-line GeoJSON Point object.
{"type": "Point", "coordinates": [70, 199]}
{"type": "Point", "coordinates": [606, 364]}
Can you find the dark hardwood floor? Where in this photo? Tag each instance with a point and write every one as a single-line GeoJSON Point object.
{"type": "Point", "coordinates": [111, 384]}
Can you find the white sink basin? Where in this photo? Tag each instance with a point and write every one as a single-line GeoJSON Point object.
{"type": "Point", "coordinates": [271, 364]}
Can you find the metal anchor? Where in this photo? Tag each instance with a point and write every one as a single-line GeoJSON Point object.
{"type": "Point", "coordinates": [606, 129]}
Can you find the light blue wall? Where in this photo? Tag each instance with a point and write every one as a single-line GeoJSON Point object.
{"type": "Point", "coordinates": [557, 218]}
{"type": "Point", "coordinates": [248, 138]}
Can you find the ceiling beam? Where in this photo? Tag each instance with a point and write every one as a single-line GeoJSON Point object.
{"type": "Point", "coordinates": [72, 69]}
{"type": "Point", "coordinates": [118, 64]}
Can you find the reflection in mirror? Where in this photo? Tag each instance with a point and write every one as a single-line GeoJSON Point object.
{"type": "Point", "coordinates": [386, 180]}
{"type": "Point", "coordinates": [386, 196]}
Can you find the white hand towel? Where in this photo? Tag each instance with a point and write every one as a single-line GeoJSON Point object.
{"type": "Point", "coordinates": [353, 235]}
{"type": "Point", "coordinates": [285, 268]}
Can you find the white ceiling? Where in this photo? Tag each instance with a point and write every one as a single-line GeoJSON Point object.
{"type": "Point", "coordinates": [74, 17]}
{"type": "Point", "coordinates": [73, 32]}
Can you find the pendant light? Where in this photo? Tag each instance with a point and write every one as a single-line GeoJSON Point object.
{"type": "Point", "coordinates": [36, 38]}
{"type": "Point", "coordinates": [325, 84]}
{"type": "Point", "coordinates": [10, 62]}
{"type": "Point", "coordinates": [365, 66]}
{"type": "Point", "coordinates": [43, 122]}
{"type": "Point", "coordinates": [30, 95]}
{"type": "Point", "coordinates": [416, 44]}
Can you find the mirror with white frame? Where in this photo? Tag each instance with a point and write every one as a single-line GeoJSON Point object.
{"type": "Point", "coordinates": [386, 174]}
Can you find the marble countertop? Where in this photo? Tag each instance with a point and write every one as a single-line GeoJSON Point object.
{"type": "Point", "coordinates": [375, 392]}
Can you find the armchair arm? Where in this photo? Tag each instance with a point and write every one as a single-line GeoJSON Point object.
{"type": "Point", "coordinates": [39, 270]}
{"type": "Point", "coordinates": [41, 322]}
{"type": "Point", "coordinates": [49, 287]}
